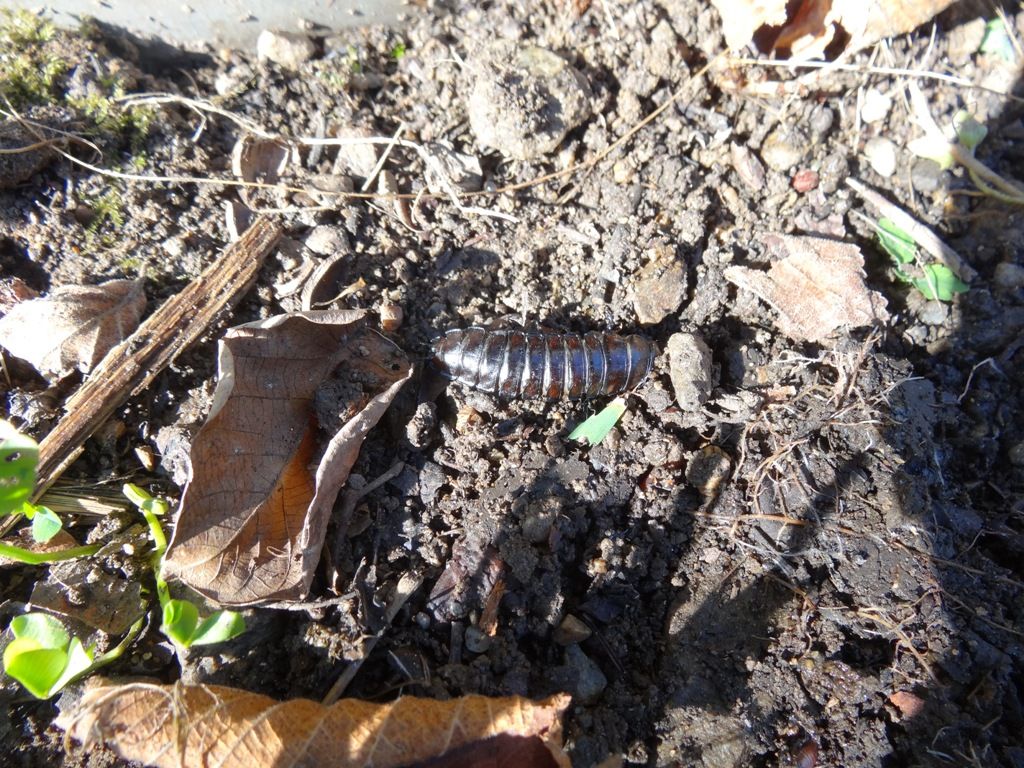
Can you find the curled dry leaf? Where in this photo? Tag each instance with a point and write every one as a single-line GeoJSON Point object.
{"type": "Point", "coordinates": [183, 726]}
{"type": "Point", "coordinates": [807, 27]}
{"type": "Point", "coordinates": [73, 327]}
{"type": "Point", "coordinates": [818, 288]}
{"type": "Point", "coordinates": [254, 513]}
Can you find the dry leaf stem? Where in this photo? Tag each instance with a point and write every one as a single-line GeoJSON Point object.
{"type": "Point", "coordinates": [134, 363]}
{"type": "Point", "coordinates": [921, 234]}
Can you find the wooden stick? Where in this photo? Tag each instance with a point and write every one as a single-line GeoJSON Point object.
{"type": "Point", "coordinates": [133, 364]}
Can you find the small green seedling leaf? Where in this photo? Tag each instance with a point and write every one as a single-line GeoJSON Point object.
{"type": "Point", "coordinates": [897, 243]}
{"type": "Point", "coordinates": [180, 621]}
{"type": "Point", "coordinates": [42, 657]}
{"type": "Point", "coordinates": [398, 51]}
{"type": "Point", "coordinates": [594, 429]}
{"type": "Point", "coordinates": [940, 283]}
{"type": "Point", "coordinates": [969, 131]}
{"type": "Point", "coordinates": [45, 523]}
{"type": "Point", "coordinates": [933, 148]}
{"type": "Point", "coordinates": [143, 500]}
{"type": "Point", "coordinates": [19, 455]}
{"type": "Point", "coordinates": [42, 628]}
{"type": "Point", "coordinates": [997, 41]}
{"type": "Point", "coordinates": [220, 626]}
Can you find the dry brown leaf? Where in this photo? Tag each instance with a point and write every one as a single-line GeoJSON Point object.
{"type": "Point", "coordinates": [254, 513]}
{"type": "Point", "coordinates": [818, 288]}
{"type": "Point", "coordinates": [178, 726]}
{"type": "Point", "coordinates": [73, 327]}
{"type": "Point", "coordinates": [806, 28]}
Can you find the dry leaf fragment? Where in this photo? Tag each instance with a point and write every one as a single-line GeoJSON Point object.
{"type": "Point", "coordinates": [254, 513]}
{"type": "Point", "coordinates": [74, 326]}
{"type": "Point", "coordinates": [817, 289]}
{"type": "Point", "coordinates": [807, 27]}
{"type": "Point", "coordinates": [180, 726]}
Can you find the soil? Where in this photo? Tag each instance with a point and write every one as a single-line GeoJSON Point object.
{"type": "Point", "coordinates": [822, 565]}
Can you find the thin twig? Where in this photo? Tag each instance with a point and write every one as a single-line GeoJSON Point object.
{"type": "Point", "coordinates": [918, 231]}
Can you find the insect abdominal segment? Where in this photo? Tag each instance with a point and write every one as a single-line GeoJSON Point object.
{"type": "Point", "coordinates": [534, 364]}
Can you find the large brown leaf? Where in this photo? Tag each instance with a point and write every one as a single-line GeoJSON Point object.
{"type": "Point", "coordinates": [178, 726]}
{"type": "Point", "coordinates": [808, 27]}
{"type": "Point", "coordinates": [818, 288]}
{"type": "Point", "coordinates": [254, 513]}
{"type": "Point", "coordinates": [73, 327]}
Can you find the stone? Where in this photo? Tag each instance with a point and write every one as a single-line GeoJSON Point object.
{"type": "Point", "coordinates": [964, 41]}
{"type": "Point", "coordinates": [925, 175]}
{"type": "Point", "coordinates": [588, 681]}
{"type": "Point", "coordinates": [571, 631]}
{"type": "Point", "coordinates": [524, 99]}
{"type": "Point", "coordinates": [875, 106]}
{"type": "Point", "coordinates": [1008, 276]}
{"type": "Point", "coordinates": [783, 148]}
{"type": "Point", "coordinates": [690, 369]}
{"type": "Point", "coordinates": [326, 240]}
{"type": "Point", "coordinates": [881, 155]}
{"type": "Point", "coordinates": [659, 287]}
{"type": "Point", "coordinates": [284, 48]}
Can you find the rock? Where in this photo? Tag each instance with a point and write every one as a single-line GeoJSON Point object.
{"type": "Point", "coordinates": [689, 360]}
{"type": "Point", "coordinates": [820, 121]}
{"type": "Point", "coordinates": [659, 287]}
{"type": "Point", "coordinates": [662, 53]}
{"type": "Point", "coordinates": [925, 175]}
{"type": "Point", "coordinates": [964, 41]}
{"type": "Point", "coordinates": [285, 48]}
{"type": "Point", "coordinates": [422, 427]}
{"type": "Point", "coordinates": [432, 477]}
{"type": "Point", "coordinates": [1008, 276]}
{"type": "Point", "coordinates": [933, 313]}
{"type": "Point", "coordinates": [571, 631]}
{"type": "Point", "coordinates": [524, 99]}
{"type": "Point", "coordinates": [747, 166]}
{"type": "Point", "coordinates": [881, 154]}
{"type": "Point", "coordinates": [587, 680]}
{"type": "Point", "coordinates": [1016, 454]}
{"type": "Point", "coordinates": [876, 106]}
{"type": "Point", "coordinates": [326, 240]}
{"type": "Point", "coordinates": [475, 640]}
{"type": "Point", "coordinates": [783, 148]}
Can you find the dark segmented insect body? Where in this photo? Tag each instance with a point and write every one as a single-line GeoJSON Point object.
{"type": "Point", "coordinates": [532, 364]}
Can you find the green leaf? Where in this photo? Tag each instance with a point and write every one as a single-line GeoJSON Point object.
{"type": "Point", "coordinates": [997, 41]}
{"type": "Point", "coordinates": [45, 524]}
{"type": "Point", "coordinates": [897, 243]}
{"type": "Point", "coordinates": [940, 283]}
{"type": "Point", "coordinates": [41, 628]}
{"type": "Point", "coordinates": [398, 51]}
{"type": "Point", "coordinates": [180, 620]}
{"type": "Point", "coordinates": [594, 429]}
{"type": "Point", "coordinates": [969, 131]}
{"type": "Point", "coordinates": [221, 626]}
{"type": "Point", "coordinates": [79, 659]}
{"type": "Point", "coordinates": [143, 500]}
{"type": "Point", "coordinates": [35, 667]}
{"type": "Point", "coordinates": [19, 455]}
{"type": "Point", "coordinates": [934, 148]}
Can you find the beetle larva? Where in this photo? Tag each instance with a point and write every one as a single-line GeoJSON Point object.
{"type": "Point", "coordinates": [531, 364]}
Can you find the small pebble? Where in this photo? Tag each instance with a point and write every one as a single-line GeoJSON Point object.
{"type": "Point", "coordinates": [805, 180]}
{"type": "Point", "coordinates": [881, 154]}
{"type": "Point", "coordinates": [284, 48]}
{"type": "Point", "coordinates": [571, 631]}
{"type": "Point", "coordinates": [964, 41]}
{"type": "Point", "coordinates": [925, 175]}
{"type": "Point", "coordinates": [876, 106]}
{"type": "Point", "coordinates": [1008, 276]}
{"type": "Point", "coordinates": [690, 370]}
{"type": "Point", "coordinates": [1016, 454]}
{"type": "Point", "coordinates": [747, 166]}
{"type": "Point", "coordinates": [659, 287]}
{"type": "Point", "coordinates": [783, 148]}
{"type": "Point", "coordinates": [933, 313]}
{"type": "Point", "coordinates": [476, 640]}
{"type": "Point", "coordinates": [590, 681]}
{"type": "Point", "coordinates": [391, 316]}
{"type": "Point", "coordinates": [326, 240]}
{"type": "Point", "coordinates": [821, 121]}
